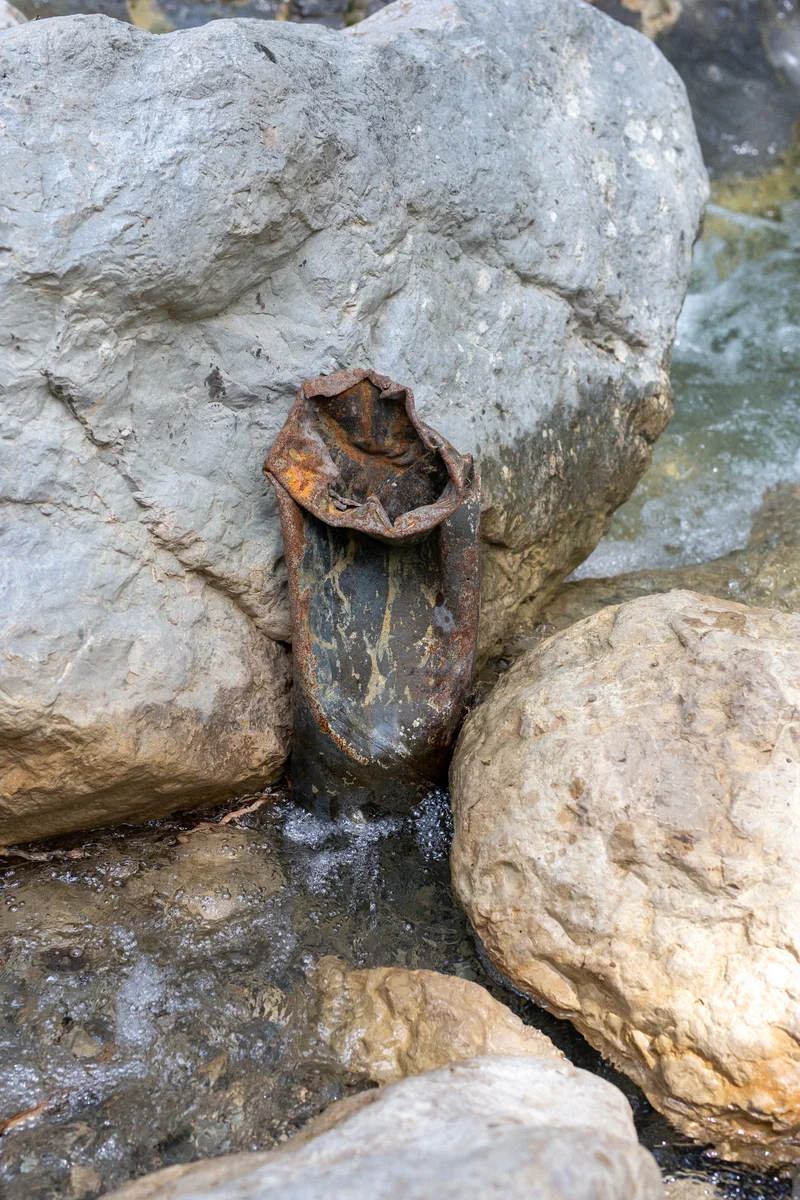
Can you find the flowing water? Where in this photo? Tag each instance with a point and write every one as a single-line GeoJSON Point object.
{"type": "Point", "coordinates": [147, 978]}
{"type": "Point", "coordinates": [736, 377]}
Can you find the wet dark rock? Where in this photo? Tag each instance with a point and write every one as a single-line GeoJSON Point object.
{"type": "Point", "coordinates": [765, 574]}
{"type": "Point", "coordinates": [735, 58]}
{"type": "Point", "coordinates": [740, 61]}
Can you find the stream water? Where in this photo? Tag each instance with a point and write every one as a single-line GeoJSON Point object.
{"type": "Point", "coordinates": [148, 974]}
{"type": "Point", "coordinates": [736, 378]}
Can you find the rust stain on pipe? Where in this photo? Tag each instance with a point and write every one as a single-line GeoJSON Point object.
{"type": "Point", "coordinates": [380, 525]}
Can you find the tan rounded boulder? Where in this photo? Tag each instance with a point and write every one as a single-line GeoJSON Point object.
{"type": "Point", "coordinates": [627, 846]}
{"type": "Point", "coordinates": [387, 1023]}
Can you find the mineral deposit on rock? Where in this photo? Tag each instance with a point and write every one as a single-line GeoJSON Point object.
{"type": "Point", "coordinates": [627, 846]}
{"type": "Point", "coordinates": [494, 205]}
{"type": "Point", "coordinates": [514, 1127]}
{"type": "Point", "coordinates": [387, 1023]}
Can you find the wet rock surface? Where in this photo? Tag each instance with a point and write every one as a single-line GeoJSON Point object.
{"type": "Point", "coordinates": [739, 61]}
{"type": "Point", "coordinates": [625, 846]}
{"type": "Point", "coordinates": [388, 1023]}
{"type": "Point", "coordinates": [522, 270]}
{"type": "Point", "coordinates": [491, 1126]}
{"type": "Point", "coordinates": [766, 574]}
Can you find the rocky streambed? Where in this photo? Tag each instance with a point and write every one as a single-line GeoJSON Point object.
{"type": "Point", "coordinates": [162, 989]}
{"type": "Point", "coordinates": [156, 996]}
{"type": "Point", "coordinates": [213, 983]}
{"type": "Point", "coordinates": [158, 980]}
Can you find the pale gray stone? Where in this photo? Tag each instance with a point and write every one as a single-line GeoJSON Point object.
{"type": "Point", "coordinates": [516, 1127]}
{"type": "Point", "coordinates": [492, 202]}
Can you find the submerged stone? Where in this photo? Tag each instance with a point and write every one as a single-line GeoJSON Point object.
{"type": "Point", "coordinates": [387, 1023]}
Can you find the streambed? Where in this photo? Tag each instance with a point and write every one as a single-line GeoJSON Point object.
{"type": "Point", "coordinates": [150, 976]}
{"type": "Point", "coordinates": [148, 973]}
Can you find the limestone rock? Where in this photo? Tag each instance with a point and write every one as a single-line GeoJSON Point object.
{"type": "Point", "coordinates": [498, 213]}
{"type": "Point", "coordinates": [10, 16]}
{"type": "Point", "coordinates": [493, 1126]}
{"type": "Point", "coordinates": [627, 846]}
{"type": "Point", "coordinates": [387, 1023]}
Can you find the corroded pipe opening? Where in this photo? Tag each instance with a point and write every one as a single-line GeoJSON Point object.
{"type": "Point", "coordinates": [380, 525]}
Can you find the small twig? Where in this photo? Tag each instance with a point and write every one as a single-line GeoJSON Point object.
{"type": "Point", "coordinates": [226, 820]}
{"type": "Point", "coordinates": [21, 1118]}
{"type": "Point", "coordinates": [241, 812]}
{"type": "Point", "coordinates": [43, 856]}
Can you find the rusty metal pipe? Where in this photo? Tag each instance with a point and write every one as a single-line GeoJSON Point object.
{"type": "Point", "coordinates": [380, 526]}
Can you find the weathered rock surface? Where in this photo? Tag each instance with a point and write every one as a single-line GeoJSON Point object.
{"type": "Point", "coordinates": [10, 16]}
{"type": "Point", "coordinates": [218, 219]}
{"type": "Point", "coordinates": [516, 1127]}
{"type": "Point", "coordinates": [627, 846]}
{"type": "Point", "coordinates": [384, 1024]}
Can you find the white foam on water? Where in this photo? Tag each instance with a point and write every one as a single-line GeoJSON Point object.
{"type": "Point", "coordinates": [348, 843]}
{"type": "Point", "coordinates": [137, 1002]}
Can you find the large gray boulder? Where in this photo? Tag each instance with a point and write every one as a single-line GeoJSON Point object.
{"type": "Point", "coordinates": [509, 1126]}
{"type": "Point", "coordinates": [493, 204]}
